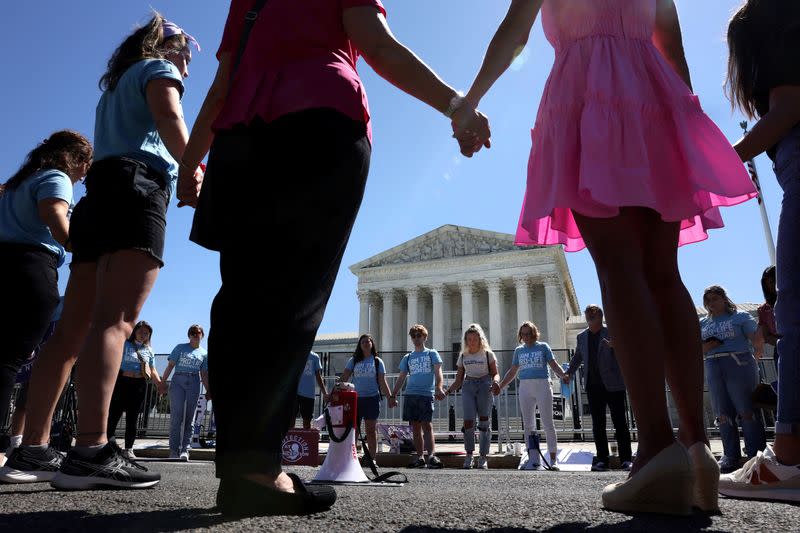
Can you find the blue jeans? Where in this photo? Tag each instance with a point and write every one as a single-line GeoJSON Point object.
{"type": "Point", "coordinates": [184, 390]}
{"type": "Point", "coordinates": [787, 308]}
{"type": "Point", "coordinates": [731, 381]}
{"type": "Point", "coordinates": [476, 395]}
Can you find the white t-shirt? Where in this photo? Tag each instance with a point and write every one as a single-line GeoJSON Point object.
{"type": "Point", "coordinates": [475, 365]}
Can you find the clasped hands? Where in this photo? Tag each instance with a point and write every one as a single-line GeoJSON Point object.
{"type": "Point", "coordinates": [471, 129]}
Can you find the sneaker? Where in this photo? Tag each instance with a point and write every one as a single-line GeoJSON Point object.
{"type": "Point", "coordinates": [468, 462]}
{"type": "Point", "coordinates": [184, 457]}
{"type": "Point", "coordinates": [31, 464]}
{"type": "Point", "coordinates": [554, 467]}
{"type": "Point", "coordinates": [435, 462]}
{"type": "Point", "coordinates": [483, 464]}
{"type": "Point", "coordinates": [419, 463]}
{"type": "Point", "coordinates": [600, 466]}
{"type": "Point", "coordinates": [530, 464]}
{"type": "Point", "coordinates": [763, 478]}
{"type": "Point", "coordinates": [627, 465]}
{"type": "Point", "coordinates": [727, 465]}
{"type": "Point", "coordinates": [108, 468]}
{"type": "Point", "coordinates": [128, 454]}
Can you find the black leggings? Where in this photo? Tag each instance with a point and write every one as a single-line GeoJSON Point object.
{"type": "Point", "coordinates": [29, 278]}
{"type": "Point", "coordinates": [298, 182]}
{"type": "Point", "coordinates": [128, 398]}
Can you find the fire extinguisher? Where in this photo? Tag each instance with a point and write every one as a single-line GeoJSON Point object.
{"type": "Point", "coordinates": [344, 396]}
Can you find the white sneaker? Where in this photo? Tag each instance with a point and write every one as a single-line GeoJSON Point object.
{"type": "Point", "coordinates": [128, 453]}
{"type": "Point", "coordinates": [483, 464]}
{"type": "Point", "coordinates": [763, 478]}
{"type": "Point", "coordinates": [468, 462]}
{"type": "Point", "coordinates": [530, 464]}
{"type": "Point", "coordinates": [184, 456]}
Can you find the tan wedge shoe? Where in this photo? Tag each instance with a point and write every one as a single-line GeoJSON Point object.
{"type": "Point", "coordinates": [706, 478]}
{"type": "Point", "coordinates": [664, 485]}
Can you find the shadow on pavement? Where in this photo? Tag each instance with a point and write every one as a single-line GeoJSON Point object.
{"type": "Point", "coordinates": [151, 521]}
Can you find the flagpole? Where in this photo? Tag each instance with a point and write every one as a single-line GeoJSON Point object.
{"type": "Point", "coordinates": [751, 168]}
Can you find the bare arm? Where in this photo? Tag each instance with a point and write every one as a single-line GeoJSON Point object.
{"type": "Point", "coordinates": [668, 40]}
{"type": "Point", "coordinates": [556, 368]}
{"type": "Point", "coordinates": [164, 102]}
{"type": "Point", "coordinates": [204, 379]}
{"type": "Point", "coordinates": [509, 377]}
{"type": "Point", "coordinates": [458, 381]}
{"type": "Point", "coordinates": [53, 212]}
{"type": "Point", "coordinates": [322, 386]}
{"type": "Point", "coordinates": [398, 385]}
{"type": "Point", "coordinates": [346, 373]}
{"type": "Point", "coordinates": [710, 345]}
{"type": "Point", "coordinates": [783, 115]}
{"type": "Point", "coordinates": [385, 386]}
{"type": "Point", "coordinates": [168, 371]}
{"type": "Point", "coordinates": [509, 40]}
{"type": "Point", "coordinates": [758, 344]}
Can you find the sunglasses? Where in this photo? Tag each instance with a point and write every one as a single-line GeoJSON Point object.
{"type": "Point", "coordinates": [416, 335]}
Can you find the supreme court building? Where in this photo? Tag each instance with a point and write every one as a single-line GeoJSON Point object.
{"type": "Point", "coordinates": [453, 276]}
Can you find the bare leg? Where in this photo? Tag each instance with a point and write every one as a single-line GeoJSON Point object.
{"type": "Point", "coordinates": [617, 246]}
{"type": "Point", "coordinates": [430, 445]}
{"type": "Point", "coordinates": [124, 280]}
{"type": "Point", "coordinates": [55, 361]}
{"type": "Point", "coordinates": [416, 427]}
{"type": "Point", "coordinates": [684, 356]}
{"type": "Point", "coordinates": [372, 436]}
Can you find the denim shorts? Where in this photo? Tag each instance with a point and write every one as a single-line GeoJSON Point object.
{"type": "Point", "coordinates": [417, 408]}
{"type": "Point", "coordinates": [125, 208]}
{"type": "Point", "coordinates": [369, 408]}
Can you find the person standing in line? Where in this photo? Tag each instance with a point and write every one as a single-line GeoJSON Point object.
{"type": "Point", "coordinates": [604, 386]}
{"type": "Point", "coordinates": [190, 361]}
{"type": "Point", "coordinates": [533, 361]}
{"type": "Point", "coordinates": [305, 389]}
{"type": "Point", "coordinates": [423, 368]}
{"type": "Point", "coordinates": [477, 371]}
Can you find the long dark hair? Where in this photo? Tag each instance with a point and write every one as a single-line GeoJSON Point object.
{"type": "Point", "coordinates": [64, 150]}
{"type": "Point", "coordinates": [756, 31]}
{"type": "Point", "coordinates": [358, 355]}
{"type": "Point", "coordinates": [141, 324]}
{"type": "Point", "coordinates": [768, 285]}
{"type": "Point", "coordinates": [146, 42]}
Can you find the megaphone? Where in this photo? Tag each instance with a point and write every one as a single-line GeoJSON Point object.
{"type": "Point", "coordinates": [341, 463]}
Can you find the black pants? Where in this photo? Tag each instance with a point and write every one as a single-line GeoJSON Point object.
{"type": "Point", "coordinates": [599, 398]}
{"type": "Point", "coordinates": [128, 398]}
{"type": "Point", "coordinates": [293, 188]}
{"type": "Point", "coordinates": [29, 277]}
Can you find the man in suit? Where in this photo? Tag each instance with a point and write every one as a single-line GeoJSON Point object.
{"type": "Point", "coordinates": [604, 386]}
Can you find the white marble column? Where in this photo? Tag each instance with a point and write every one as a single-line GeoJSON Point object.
{"type": "Point", "coordinates": [363, 311]}
{"type": "Point", "coordinates": [554, 306]}
{"type": "Point", "coordinates": [522, 285]}
{"type": "Point", "coordinates": [387, 337]}
{"type": "Point", "coordinates": [495, 289]}
{"type": "Point", "coordinates": [375, 314]}
{"type": "Point", "coordinates": [412, 296]}
{"type": "Point", "coordinates": [467, 310]}
{"type": "Point", "coordinates": [438, 292]}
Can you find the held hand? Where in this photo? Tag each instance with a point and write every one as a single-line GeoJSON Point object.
{"type": "Point", "coordinates": [471, 129]}
{"type": "Point", "coordinates": [566, 379]}
{"type": "Point", "coordinates": [440, 395]}
{"type": "Point", "coordinates": [189, 184]}
{"type": "Point", "coordinates": [392, 402]}
{"type": "Point", "coordinates": [325, 397]}
{"type": "Point", "coordinates": [495, 388]}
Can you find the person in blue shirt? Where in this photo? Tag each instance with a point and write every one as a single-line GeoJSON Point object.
{"type": "Point", "coordinates": [731, 350]}
{"type": "Point", "coordinates": [423, 367]}
{"type": "Point", "coordinates": [369, 377]}
{"type": "Point", "coordinates": [190, 361]}
{"type": "Point", "coordinates": [34, 226]}
{"type": "Point", "coordinates": [137, 366]}
{"type": "Point", "coordinates": [306, 391]}
{"type": "Point", "coordinates": [117, 236]}
{"type": "Point", "coordinates": [533, 361]}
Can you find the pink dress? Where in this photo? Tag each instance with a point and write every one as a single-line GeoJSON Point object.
{"type": "Point", "coordinates": [618, 127]}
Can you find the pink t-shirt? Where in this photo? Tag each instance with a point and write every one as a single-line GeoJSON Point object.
{"type": "Point", "coordinates": [298, 57]}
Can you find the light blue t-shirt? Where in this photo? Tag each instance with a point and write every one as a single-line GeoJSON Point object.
{"type": "Point", "coordinates": [533, 360]}
{"type": "Point", "coordinates": [124, 125]}
{"type": "Point", "coordinates": [730, 329]}
{"type": "Point", "coordinates": [306, 386]}
{"type": "Point", "coordinates": [188, 359]}
{"type": "Point", "coordinates": [421, 376]}
{"type": "Point", "coordinates": [19, 210]}
{"type": "Point", "coordinates": [364, 378]}
{"type": "Point", "coordinates": [130, 359]}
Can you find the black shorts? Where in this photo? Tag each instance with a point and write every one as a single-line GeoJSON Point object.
{"type": "Point", "coordinates": [305, 406]}
{"type": "Point", "coordinates": [125, 208]}
{"type": "Point", "coordinates": [22, 396]}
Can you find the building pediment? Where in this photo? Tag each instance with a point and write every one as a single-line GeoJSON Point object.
{"type": "Point", "coordinates": [442, 243]}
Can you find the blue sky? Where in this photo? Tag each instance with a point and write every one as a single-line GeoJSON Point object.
{"type": "Point", "coordinates": [56, 52]}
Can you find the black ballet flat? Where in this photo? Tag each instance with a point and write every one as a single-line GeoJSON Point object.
{"type": "Point", "coordinates": [240, 497]}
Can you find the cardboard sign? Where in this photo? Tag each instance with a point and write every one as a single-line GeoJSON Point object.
{"type": "Point", "coordinates": [301, 447]}
{"type": "Point", "coordinates": [558, 408]}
